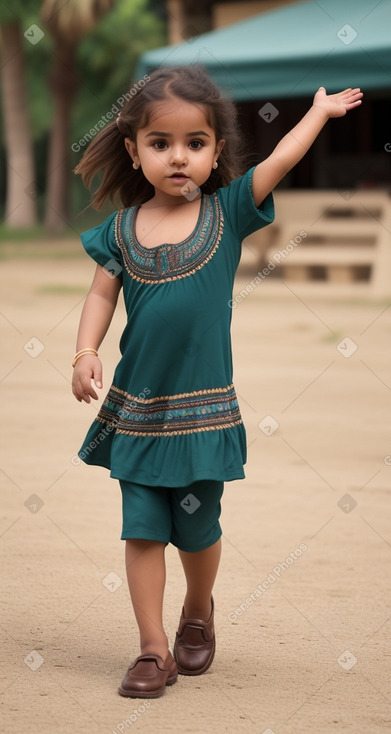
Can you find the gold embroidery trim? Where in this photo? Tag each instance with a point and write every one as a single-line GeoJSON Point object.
{"type": "Point", "coordinates": [127, 258]}
{"type": "Point", "coordinates": [175, 433]}
{"type": "Point", "coordinates": [208, 391]}
{"type": "Point", "coordinates": [119, 395]}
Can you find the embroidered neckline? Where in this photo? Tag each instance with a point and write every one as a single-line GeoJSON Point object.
{"type": "Point", "coordinates": [167, 261]}
{"type": "Point", "coordinates": [192, 234]}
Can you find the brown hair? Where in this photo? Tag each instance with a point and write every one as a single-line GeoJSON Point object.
{"type": "Point", "coordinates": [107, 150]}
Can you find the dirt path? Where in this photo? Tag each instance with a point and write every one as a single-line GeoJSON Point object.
{"type": "Point", "coordinates": [303, 604]}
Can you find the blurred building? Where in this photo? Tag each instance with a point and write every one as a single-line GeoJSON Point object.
{"type": "Point", "coordinates": [351, 152]}
{"type": "Point", "coordinates": [187, 18]}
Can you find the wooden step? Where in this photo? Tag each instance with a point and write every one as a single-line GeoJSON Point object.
{"type": "Point", "coordinates": [329, 228]}
{"type": "Point", "coordinates": [326, 255]}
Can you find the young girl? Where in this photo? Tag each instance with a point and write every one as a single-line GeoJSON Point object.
{"type": "Point", "coordinates": [170, 428]}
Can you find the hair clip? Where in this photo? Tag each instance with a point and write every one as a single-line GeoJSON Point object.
{"type": "Point", "coordinates": [117, 120]}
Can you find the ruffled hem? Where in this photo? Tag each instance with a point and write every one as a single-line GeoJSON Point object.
{"type": "Point", "coordinates": [169, 461]}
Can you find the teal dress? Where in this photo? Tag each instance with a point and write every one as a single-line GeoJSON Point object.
{"type": "Point", "coordinates": [171, 416]}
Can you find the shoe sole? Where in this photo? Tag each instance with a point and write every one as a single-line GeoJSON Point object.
{"type": "Point", "coordinates": [146, 694]}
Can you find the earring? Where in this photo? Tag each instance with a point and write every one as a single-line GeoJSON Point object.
{"type": "Point", "coordinates": [135, 166]}
{"type": "Point", "coordinates": [215, 165]}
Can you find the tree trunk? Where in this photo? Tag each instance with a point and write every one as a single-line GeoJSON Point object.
{"type": "Point", "coordinates": [63, 85]}
{"type": "Point", "coordinates": [20, 209]}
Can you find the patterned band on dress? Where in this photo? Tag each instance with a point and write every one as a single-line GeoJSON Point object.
{"type": "Point", "coordinates": [171, 415]}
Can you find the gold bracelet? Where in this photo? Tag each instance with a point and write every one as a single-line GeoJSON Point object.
{"type": "Point", "coordinates": [82, 352]}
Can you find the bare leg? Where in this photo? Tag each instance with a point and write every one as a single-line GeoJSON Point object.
{"type": "Point", "coordinates": [146, 572]}
{"type": "Point", "coordinates": [200, 570]}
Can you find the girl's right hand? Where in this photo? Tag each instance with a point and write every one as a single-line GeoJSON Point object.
{"type": "Point", "coordinates": [87, 368]}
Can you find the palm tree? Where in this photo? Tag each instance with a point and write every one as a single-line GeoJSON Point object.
{"type": "Point", "coordinates": [67, 23]}
{"type": "Point", "coordinates": [20, 206]}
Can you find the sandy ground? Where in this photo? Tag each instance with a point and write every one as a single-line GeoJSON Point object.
{"type": "Point", "coordinates": [307, 533]}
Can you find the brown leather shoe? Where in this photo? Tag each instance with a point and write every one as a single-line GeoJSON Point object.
{"type": "Point", "coordinates": [148, 675]}
{"type": "Point", "coordinates": [195, 644]}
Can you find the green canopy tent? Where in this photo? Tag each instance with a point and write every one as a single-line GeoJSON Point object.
{"type": "Point", "coordinates": [292, 51]}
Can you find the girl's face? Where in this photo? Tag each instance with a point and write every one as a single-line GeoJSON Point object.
{"type": "Point", "coordinates": [177, 149]}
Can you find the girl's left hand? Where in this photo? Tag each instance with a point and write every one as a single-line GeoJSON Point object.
{"type": "Point", "coordinates": [337, 105]}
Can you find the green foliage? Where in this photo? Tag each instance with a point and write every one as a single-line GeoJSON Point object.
{"type": "Point", "coordinates": [17, 10]}
{"type": "Point", "coordinates": [106, 60]}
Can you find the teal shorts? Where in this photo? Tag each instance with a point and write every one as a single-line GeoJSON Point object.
{"type": "Point", "coordinates": [187, 517]}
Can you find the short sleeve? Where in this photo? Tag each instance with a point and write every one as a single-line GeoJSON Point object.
{"type": "Point", "coordinates": [239, 207]}
{"type": "Point", "coordinates": [101, 245]}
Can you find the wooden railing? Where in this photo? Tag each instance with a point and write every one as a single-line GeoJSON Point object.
{"type": "Point", "coordinates": [340, 237]}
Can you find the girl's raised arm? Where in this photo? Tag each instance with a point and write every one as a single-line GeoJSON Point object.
{"type": "Point", "coordinates": [95, 319]}
{"type": "Point", "coordinates": [295, 144]}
